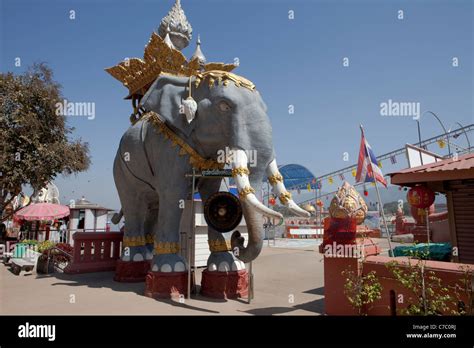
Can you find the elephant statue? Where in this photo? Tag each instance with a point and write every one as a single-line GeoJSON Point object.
{"type": "Point", "coordinates": [165, 144]}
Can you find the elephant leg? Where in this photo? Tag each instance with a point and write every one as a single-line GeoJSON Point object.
{"type": "Point", "coordinates": [134, 197]}
{"type": "Point", "coordinates": [222, 258]}
{"type": "Point", "coordinates": [166, 247]}
{"type": "Point", "coordinates": [151, 227]}
{"type": "Point", "coordinates": [134, 243]}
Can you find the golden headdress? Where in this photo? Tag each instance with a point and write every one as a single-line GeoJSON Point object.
{"type": "Point", "coordinates": [137, 74]}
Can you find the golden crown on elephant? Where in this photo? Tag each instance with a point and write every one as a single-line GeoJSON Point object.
{"type": "Point", "coordinates": [159, 58]}
{"type": "Point", "coordinates": [347, 202]}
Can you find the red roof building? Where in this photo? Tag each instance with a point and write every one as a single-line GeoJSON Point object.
{"type": "Point", "coordinates": [453, 177]}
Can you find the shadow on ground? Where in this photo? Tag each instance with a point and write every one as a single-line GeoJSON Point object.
{"type": "Point", "coordinates": [316, 306]}
{"type": "Point", "coordinates": [105, 280]}
{"type": "Point", "coordinates": [316, 291]}
{"type": "Point", "coordinates": [96, 281]}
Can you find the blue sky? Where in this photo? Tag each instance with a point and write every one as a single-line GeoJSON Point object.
{"type": "Point", "coordinates": [297, 62]}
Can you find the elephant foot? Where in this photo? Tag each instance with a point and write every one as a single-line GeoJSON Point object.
{"type": "Point", "coordinates": [136, 254]}
{"type": "Point", "coordinates": [168, 277]}
{"type": "Point", "coordinates": [225, 285]}
{"type": "Point", "coordinates": [224, 261]}
{"type": "Point", "coordinates": [167, 284]}
{"type": "Point", "coordinates": [168, 263]}
{"type": "Point", "coordinates": [149, 251]}
{"type": "Point", "coordinates": [131, 272]}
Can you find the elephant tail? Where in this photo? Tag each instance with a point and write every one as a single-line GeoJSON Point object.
{"type": "Point", "coordinates": [117, 217]}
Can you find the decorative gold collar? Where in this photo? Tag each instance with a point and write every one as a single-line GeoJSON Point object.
{"type": "Point", "coordinates": [195, 159]}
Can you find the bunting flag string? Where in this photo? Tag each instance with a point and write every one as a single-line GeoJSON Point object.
{"type": "Point", "coordinates": [319, 184]}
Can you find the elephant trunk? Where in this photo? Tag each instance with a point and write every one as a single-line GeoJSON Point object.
{"type": "Point", "coordinates": [254, 223]}
{"type": "Point", "coordinates": [253, 210]}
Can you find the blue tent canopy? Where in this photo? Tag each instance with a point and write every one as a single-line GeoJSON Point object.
{"type": "Point", "coordinates": [296, 176]}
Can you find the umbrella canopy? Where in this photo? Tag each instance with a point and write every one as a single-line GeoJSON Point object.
{"type": "Point", "coordinates": [43, 211]}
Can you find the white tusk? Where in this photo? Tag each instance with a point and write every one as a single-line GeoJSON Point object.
{"type": "Point", "coordinates": [276, 180]}
{"type": "Point", "coordinates": [241, 178]}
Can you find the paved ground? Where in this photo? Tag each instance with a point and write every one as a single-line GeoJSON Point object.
{"type": "Point", "coordinates": [288, 281]}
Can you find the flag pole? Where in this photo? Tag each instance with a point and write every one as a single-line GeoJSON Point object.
{"type": "Point", "coordinates": [383, 218]}
{"type": "Point", "coordinates": [380, 202]}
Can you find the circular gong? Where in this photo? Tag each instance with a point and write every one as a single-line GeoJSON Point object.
{"type": "Point", "coordinates": [223, 211]}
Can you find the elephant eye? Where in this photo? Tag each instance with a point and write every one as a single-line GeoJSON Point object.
{"type": "Point", "coordinates": [224, 106]}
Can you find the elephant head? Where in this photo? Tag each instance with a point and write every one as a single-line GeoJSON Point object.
{"type": "Point", "coordinates": [230, 114]}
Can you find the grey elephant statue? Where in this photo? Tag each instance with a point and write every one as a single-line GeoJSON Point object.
{"type": "Point", "coordinates": [164, 145]}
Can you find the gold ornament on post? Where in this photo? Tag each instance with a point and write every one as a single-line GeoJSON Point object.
{"type": "Point", "coordinates": [348, 203]}
{"type": "Point", "coordinates": [309, 208]}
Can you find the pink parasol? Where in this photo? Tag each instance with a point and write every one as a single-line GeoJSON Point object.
{"type": "Point", "coordinates": [43, 211]}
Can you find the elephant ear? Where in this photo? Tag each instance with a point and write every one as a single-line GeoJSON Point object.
{"type": "Point", "coordinates": [165, 97]}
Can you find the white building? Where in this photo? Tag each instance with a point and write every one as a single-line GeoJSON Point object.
{"type": "Point", "coordinates": [87, 217]}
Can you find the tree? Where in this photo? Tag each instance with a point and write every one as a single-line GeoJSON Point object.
{"type": "Point", "coordinates": [34, 138]}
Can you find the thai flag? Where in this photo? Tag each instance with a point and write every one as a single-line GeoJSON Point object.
{"type": "Point", "coordinates": [367, 168]}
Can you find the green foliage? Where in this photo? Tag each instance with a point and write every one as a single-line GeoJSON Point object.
{"type": "Point", "coordinates": [34, 138]}
{"type": "Point", "coordinates": [429, 295]}
{"type": "Point", "coordinates": [466, 287]}
{"type": "Point", "coordinates": [30, 241]}
{"type": "Point", "coordinates": [361, 290]}
{"type": "Point", "coordinates": [43, 247]}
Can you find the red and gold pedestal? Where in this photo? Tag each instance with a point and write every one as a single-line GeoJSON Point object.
{"type": "Point", "coordinates": [167, 284]}
{"type": "Point", "coordinates": [225, 285]}
{"type": "Point", "coordinates": [131, 271]}
{"type": "Point", "coordinates": [342, 252]}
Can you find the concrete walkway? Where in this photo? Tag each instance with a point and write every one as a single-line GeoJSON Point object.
{"type": "Point", "coordinates": [288, 281]}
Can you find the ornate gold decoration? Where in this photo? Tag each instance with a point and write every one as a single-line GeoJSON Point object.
{"type": "Point", "coordinates": [224, 76]}
{"type": "Point", "coordinates": [347, 202]}
{"type": "Point", "coordinates": [285, 197]}
{"type": "Point", "coordinates": [166, 248]}
{"type": "Point", "coordinates": [240, 171]}
{"type": "Point", "coordinates": [219, 66]}
{"type": "Point", "coordinates": [245, 191]}
{"type": "Point", "coordinates": [133, 241]}
{"type": "Point", "coordinates": [217, 245]}
{"type": "Point", "coordinates": [275, 179]}
{"type": "Point", "coordinates": [149, 239]}
{"type": "Point", "coordinates": [137, 74]}
{"type": "Point", "coordinates": [196, 160]}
